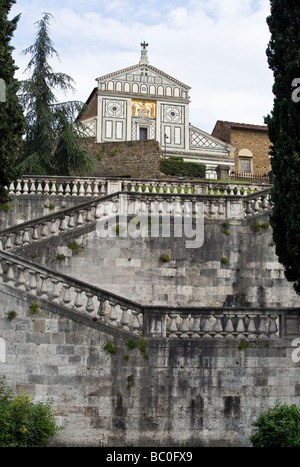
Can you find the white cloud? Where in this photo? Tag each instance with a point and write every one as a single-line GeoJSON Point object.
{"type": "Point", "coordinates": [215, 46]}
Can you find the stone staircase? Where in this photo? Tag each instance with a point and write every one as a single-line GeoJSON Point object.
{"type": "Point", "coordinates": [63, 294]}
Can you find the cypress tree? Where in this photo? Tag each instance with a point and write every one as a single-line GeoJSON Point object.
{"type": "Point", "coordinates": [283, 54]}
{"type": "Point", "coordinates": [11, 114]}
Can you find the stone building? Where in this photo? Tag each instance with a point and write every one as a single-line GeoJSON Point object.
{"type": "Point", "coordinates": [252, 145]}
{"type": "Point", "coordinates": [142, 102]}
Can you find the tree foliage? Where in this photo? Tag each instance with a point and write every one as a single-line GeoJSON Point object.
{"type": "Point", "coordinates": [277, 427]}
{"type": "Point", "coordinates": [284, 131]}
{"type": "Point", "coordinates": [44, 114]}
{"type": "Point", "coordinates": [11, 114]}
{"type": "Point", "coordinates": [23, 423]}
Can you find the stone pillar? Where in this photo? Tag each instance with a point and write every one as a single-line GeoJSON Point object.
{"type": "Point", "coordinates": [222, 172]}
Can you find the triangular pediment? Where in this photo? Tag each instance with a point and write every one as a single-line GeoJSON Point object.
{"type": "Point", "coordinates": [143, 72]}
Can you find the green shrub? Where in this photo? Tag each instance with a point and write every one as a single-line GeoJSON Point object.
{"type": "Point", "coordinates": [278, 427]}
{"type": "Point", "coordinates": [176, 166]}
{"type": "Point", "coordinates": [23, 423]}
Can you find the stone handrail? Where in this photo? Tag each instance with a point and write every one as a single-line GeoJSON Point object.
{"type": "Point", "coordinates": [99, 209]}
{"type": "Point", "coordinates": [217, 323]}
{"type": "Point", "coordinates": [42, 284]}
{"type": "Point", "coordinates": [101, 186]}
{"type": "Point", "coordinates": [48, 288]}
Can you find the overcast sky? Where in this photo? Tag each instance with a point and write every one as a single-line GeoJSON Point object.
{"type": "Point", "coordinates": [217, 47]}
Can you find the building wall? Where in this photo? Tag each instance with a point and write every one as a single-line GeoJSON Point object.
{"type": "Point", "coordinates": [247, 138]}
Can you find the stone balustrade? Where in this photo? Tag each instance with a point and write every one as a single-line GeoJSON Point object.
{"type": "Point", "coordinates": [102, 208]}
{"type": "Point", "coordinates": [59, 186]}
{"type": "Point", "coordinates": [96, 186]}
{"type": "Point", "coordinates": [218, 323]}
{"type": "Point", "coordinates": [45, 286]}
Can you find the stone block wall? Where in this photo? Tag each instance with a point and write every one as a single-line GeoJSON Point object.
{"type": "Point", "coordinates": [203, 392]}
{"type": "Point", "coordinates": [135, 159]}
{"type": "Point", "coordinates": [234, 267]}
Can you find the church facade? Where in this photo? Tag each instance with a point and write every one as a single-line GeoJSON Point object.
{"type": "Point", "coordinates": [142, 102]}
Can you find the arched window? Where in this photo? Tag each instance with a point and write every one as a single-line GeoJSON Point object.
{"type": "Point", "coordinates": [245, 161]}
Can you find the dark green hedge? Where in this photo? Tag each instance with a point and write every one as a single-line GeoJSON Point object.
{"type": "Point", "coordinates": [177, 166]}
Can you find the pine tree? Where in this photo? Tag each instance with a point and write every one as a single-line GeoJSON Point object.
{"type": "Point", "coordinates": [42, 109]}
{"type": "Point", "coordinates": [284, 131]}
{"type": "Point", "coordinates": [11, 114]}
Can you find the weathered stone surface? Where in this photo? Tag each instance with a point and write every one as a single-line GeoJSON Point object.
{"type": "Point", "coordinates": [199, 392]}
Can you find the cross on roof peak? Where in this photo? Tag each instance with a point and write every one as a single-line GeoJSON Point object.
{"type": "Point", "coordinates": [144, 56]}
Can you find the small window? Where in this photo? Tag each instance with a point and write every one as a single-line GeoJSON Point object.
{"type": "Point", "coordinates": [143, 134]}
{"type": "Point", "coordinates": [245, 166]}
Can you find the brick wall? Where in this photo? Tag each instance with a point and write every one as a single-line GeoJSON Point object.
{"type": "Point", "coordinates": [136, 159]}
{"type": "Point", "coordinates": [252, 137]}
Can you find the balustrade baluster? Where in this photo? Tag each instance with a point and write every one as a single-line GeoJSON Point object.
{"type": "Point", "coordinates": [101, 308]}
{"type": "Point", "coordinates": [273, 328]}
{"type": "Point", "coordinates": [251, 328]}
{"type": "Point", "coordinates": [60, 189]}
{"type": "Point", "coordinates": [241, 329]}
{"type": "Point", "coordinates": [53, 189]}
{"type": "Point", "coordinates": [10, 273]}
{"type": "Point", "coordinates": [66, 298]}
{"type": "Point", "coordinates": [21, 282]}
{"type": "Point", "coordinates": [81, 188]}
{"type": "Point", "coordinates": [195, 328]}
{"type": "Point", "coordinates": [136, 325]}
{"type": "Point", "coordinates": [90, 304]}
{"type": "Point", "coordinates": [218, 327]}
{"type": "Point", "coordinates": [113, 316]}
{"type": "Point", "coordinates": [78, 300]}
{"type": "Point", "coordinates": [125, 321]}
{"type": "Point", "coordinates": [25, 188]}
{"type": "Point", "coordinates": [46, 188]}
{"type": "Point", "coordinates": [184, 327]}
{"type": "Point", "coordinates": [18, 188]}
{"type": "Point", "coordinates": [26, 239]}
{"type": "Point", "coordinates": [74, 189]}
{"type": "Point", "coordinates": [12, 189]}
{"type": "Point", "coordinates": [44, 287]}
{"type": "Point", "coordinates": [262, 328]}
{"type": "Point", "coordinates": [88, 189]}
{"type": "Point", "coordinates": [67, 189]}
{"type": "Point", "coordinates": [44, 232]}
{"type": "Point", "coordinates": [71, 223]}
{"type": "Point", "coordinates": [8, 243]}
{"type": "Point", "coordinates": [207, 327]}
{"type": "Point", "coordinates": [32, 283]}
{"type": "Point", "coordinates": [172, 328]}
{"type": "Point", "coordinates": [229, 329]}
{"type": "Point", "coordinates": [62, 225]}
{"type": "Point", "coordinates": [35, 235]}
{"type": "Point", "coordinates": [55, 294]}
